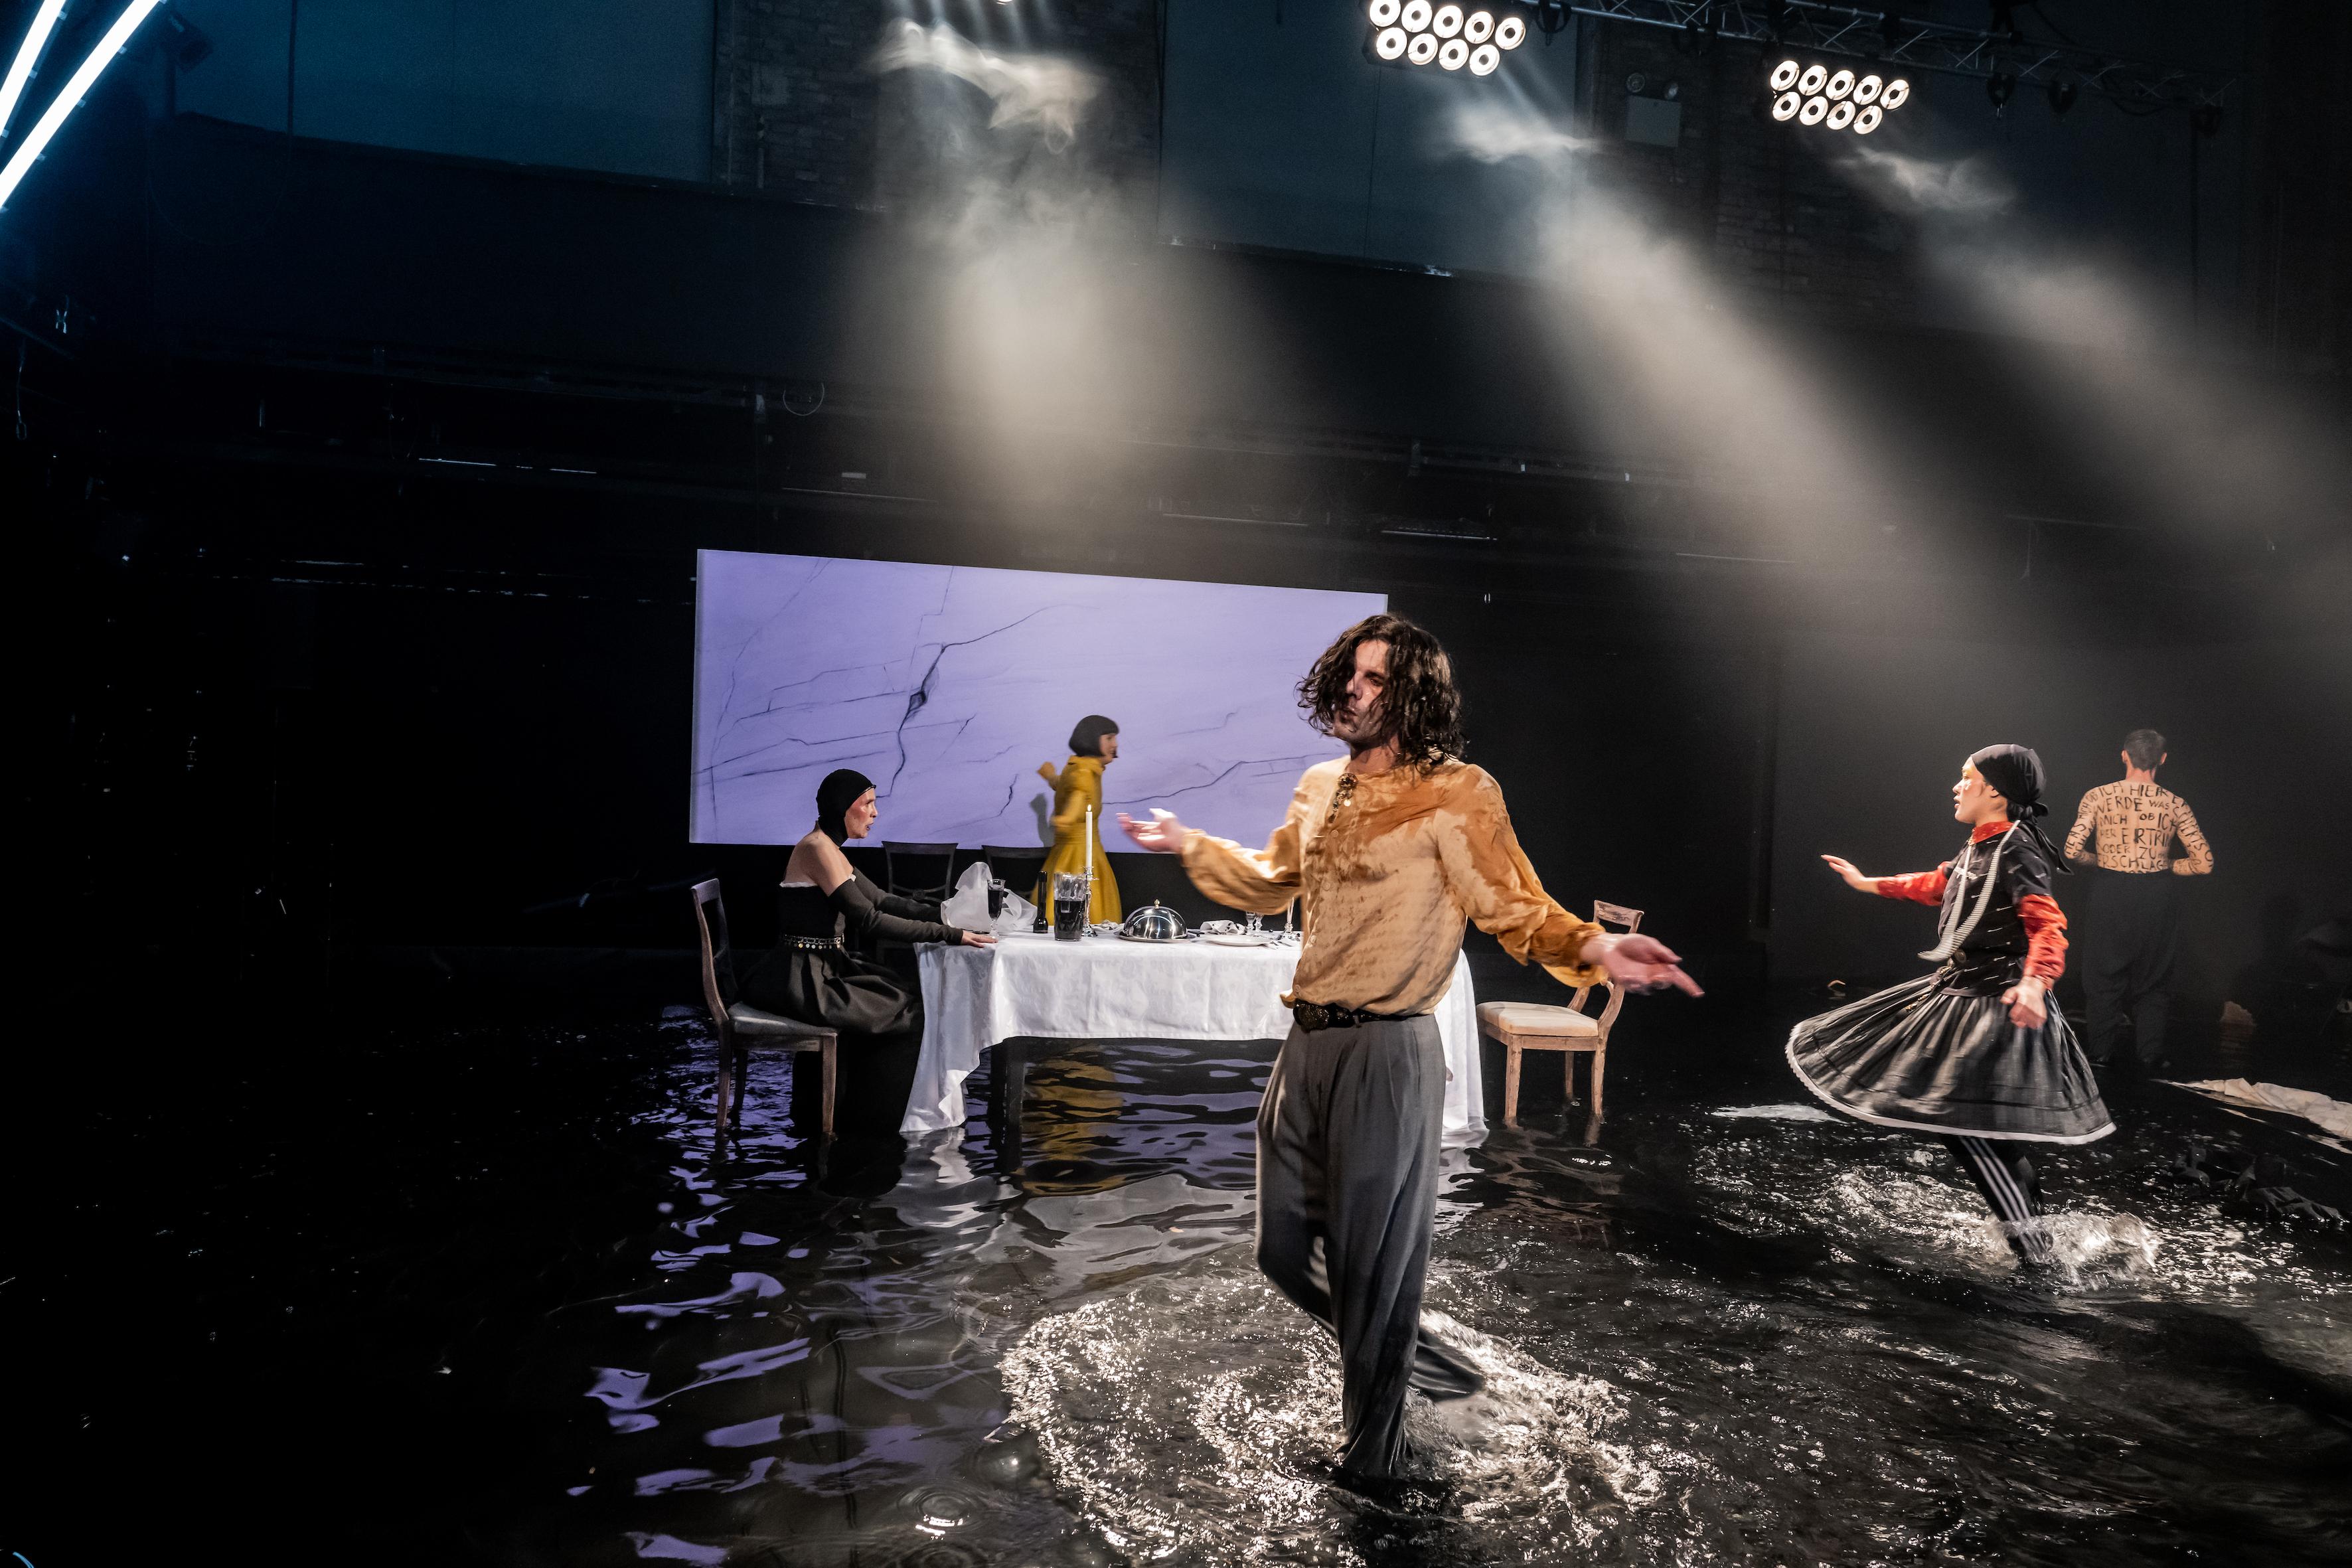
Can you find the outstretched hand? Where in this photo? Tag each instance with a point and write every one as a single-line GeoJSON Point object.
{"type": "Point", "coordinates": [1639, 963]}
{"type": "Point", "coordinates": [1853, 878]}
{"type": "Point", "coordinates": [1163, 834]}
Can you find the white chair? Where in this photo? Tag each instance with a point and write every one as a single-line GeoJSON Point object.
{"type": "Point", "coordinates": [1538, 1026]}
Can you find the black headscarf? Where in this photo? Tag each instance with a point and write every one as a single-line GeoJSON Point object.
{"type": "Point", "coordinates": [839, 792]}
{"type": "Point", "coordinates": [1086, 740]}
{"type": "Point", "coordinates": [2016, 773]}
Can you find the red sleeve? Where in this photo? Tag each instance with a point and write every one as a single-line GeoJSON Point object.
{"type": "Point", "coordinates": [1919, 887]}
{"type": "Point", "coordinates": [2045, 936]}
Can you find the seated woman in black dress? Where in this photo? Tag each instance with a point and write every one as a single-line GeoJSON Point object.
{"type": "Point", "coordinates": [810, 976]}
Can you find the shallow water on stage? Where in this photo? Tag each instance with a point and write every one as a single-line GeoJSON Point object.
{"type": "Point", "coordinates": [1733, 1331]}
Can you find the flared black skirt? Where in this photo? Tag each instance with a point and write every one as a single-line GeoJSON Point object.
{"type": "Point", "coordinates": [1927, 1059]}
{"type": "Point", "coordinates": [835, 990]}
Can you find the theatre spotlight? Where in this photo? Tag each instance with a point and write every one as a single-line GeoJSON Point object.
{"type": "Point", "coordinates": [1448, 34]}
{"type": "Point", "coordinates": [70, 97]}
{"type": "Point", "coordinates": [1840, 99]}
{"type": "Point", "coordinates": [2061, 94]}
{"type": "Point", "coordinates": [2001, 86]}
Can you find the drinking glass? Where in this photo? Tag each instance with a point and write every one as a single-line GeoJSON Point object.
{"type": "Point", "coordinates": [1071, 898]}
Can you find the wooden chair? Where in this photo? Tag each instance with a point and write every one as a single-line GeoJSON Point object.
{"type": "Point", "coordinates": [742, 1026]}
{"type": "Point", "coordinates": [1535, 1026]}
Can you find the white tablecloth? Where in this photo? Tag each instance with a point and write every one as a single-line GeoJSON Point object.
{"type": "Point", "coordinates": [1104, 989]}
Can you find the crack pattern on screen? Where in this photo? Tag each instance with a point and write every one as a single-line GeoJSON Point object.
{"type": "Point", "coordinates": [947, 686]}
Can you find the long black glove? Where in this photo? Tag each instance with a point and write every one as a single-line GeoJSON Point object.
{"type": "Point", "coordinates": [896, 903]}
{"type": "Point", "coordinates": [863, 916]}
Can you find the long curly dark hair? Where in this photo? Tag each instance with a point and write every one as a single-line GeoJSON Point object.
{"type": "Point", "coordinates": [1420, 709]}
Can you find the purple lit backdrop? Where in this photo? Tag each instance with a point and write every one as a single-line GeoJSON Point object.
{"type": "Point", "coordinates": [948, 684]}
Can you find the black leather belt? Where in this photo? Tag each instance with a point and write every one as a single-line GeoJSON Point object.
{"type": "Point", "coordinates": [1312, 1016]}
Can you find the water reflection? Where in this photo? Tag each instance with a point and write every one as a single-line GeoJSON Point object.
{"type": "Point", "coordinates": [1725, 1331]}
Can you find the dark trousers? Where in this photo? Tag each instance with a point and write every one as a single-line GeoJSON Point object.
{"type": "Point", "coordinates": [2003, 1174]}
{"type": "Point", "coordinates": [1348, 1155]}
{"type": "Point", "coordinates": [2128, 956]}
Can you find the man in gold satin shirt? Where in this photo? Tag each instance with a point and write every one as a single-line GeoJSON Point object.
{"type": "Point", "coordinates": [1391, 851]}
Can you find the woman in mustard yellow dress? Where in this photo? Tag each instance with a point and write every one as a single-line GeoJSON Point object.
{"type": "Point", "coordinates": [1080, 785]}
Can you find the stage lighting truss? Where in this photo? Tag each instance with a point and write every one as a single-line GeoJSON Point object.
{"type": "Point", "coordinates": [1836, 99]}
{"type": "Point", "coordinates": [1451, 37]}
{"type": "Point", "coordinates": [1881, 41]}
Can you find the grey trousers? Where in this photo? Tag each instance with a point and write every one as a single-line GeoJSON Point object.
{"type": "Point", "coordinates": [1348, 1155]}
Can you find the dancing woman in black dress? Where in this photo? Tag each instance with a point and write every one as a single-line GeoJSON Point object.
{"type": "Point", "coordinates": [809, 974]}
{"type": "Point", "coordinates": [1972, 1051]}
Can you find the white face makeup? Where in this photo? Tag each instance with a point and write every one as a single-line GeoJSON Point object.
{"type": "Point", "coordinates": [1973, 800]}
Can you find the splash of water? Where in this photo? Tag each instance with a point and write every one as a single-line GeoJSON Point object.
{"type": "Point", "coordinates": [1194, 1420]}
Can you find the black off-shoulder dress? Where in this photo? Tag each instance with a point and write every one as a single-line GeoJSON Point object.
{"type": "Point", "coordinates": [811, 976]}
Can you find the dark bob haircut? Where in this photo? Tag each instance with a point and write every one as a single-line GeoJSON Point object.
{"type": "Point", "coordinates": [1086, 740]}
{"type": "Point", "coordinates": [1421, 713]}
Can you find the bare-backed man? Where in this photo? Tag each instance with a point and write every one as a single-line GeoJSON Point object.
{"type": "Point", "coordinates": [2126, 831]}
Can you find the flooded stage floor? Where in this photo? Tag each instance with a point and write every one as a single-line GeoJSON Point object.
{"type": "Point", "coordinates": [1732, 1330]}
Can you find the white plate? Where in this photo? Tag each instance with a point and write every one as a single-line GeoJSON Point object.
{"type": "Point", "coordinates": [1244, 939]}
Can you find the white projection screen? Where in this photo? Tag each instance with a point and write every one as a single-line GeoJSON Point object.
{"type": "Point", "coordinates": [948, 684]}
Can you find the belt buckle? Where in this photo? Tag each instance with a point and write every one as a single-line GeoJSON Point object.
{"type": "Point", "coordinates": [1313, 1017]}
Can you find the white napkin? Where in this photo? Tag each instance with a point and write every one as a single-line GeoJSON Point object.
{"type": "Point", "coordinates": [967, 908]}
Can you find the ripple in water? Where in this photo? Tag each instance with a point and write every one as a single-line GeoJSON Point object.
{"type": "Point", "coordinates": [1194, 1420]}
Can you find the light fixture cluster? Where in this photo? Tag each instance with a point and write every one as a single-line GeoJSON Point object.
{"type": "Point", "coordinates": [1445, 36]}
{"type": "Point", "coordinates": [1816, 94]}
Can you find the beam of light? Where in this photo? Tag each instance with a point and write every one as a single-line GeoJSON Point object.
{"type": "Point", "coordinates": [20, 71]}
{"type": "Point", "coordinates": [1058, 338]}
{"type": "Point", "coordinates": [84, 77]}
{"type": "Point", "coordinates": [1670, 368]}
{"type": "Point", "coordinates": [2180, 440]}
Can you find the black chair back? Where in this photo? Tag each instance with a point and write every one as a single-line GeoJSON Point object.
{"type": "Point", "coordinates": [1018, 866]}
{"type": "Point", "coordinates": [920, 870]}
{"type": "Point", "coordinates": [718, 951]}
